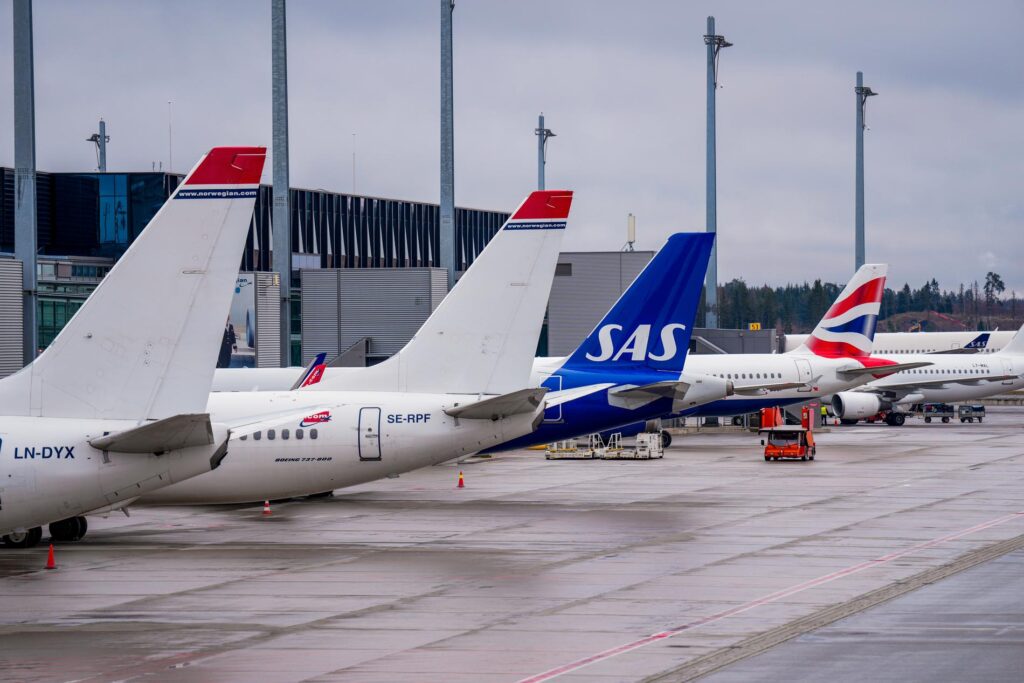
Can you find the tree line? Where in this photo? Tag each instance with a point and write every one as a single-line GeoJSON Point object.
{"type": "Point", "coordinates": [797, 308]}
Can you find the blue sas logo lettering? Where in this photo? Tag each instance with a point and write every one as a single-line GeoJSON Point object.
{"type": "Point", "coordinates": [636, 346]}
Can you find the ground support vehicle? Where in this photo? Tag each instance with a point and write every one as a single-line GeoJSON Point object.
{"type": "Point", "coordinates": [789, 442]}
{"type": "Point", "coordinates": [938, 411]}
{"type": "Point", "coordinates": [970, 413]}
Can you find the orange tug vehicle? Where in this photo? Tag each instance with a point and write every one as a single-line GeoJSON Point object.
{"type": "Point", "coordinates": [787, 442]}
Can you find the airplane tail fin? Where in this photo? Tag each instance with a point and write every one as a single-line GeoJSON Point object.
{"type": "Point", "coordinates": [848, 328]}
{"type": "Point", "coordinates": [482, 338]}
{"type": "Point", "coordinates": [313, 374]}
{"type": "Point", "coordinates": [144, 345]}
{"type": "Point", "coordinates": [1016, 344]}
{"type": "Point", "coordinates": [651, 323]}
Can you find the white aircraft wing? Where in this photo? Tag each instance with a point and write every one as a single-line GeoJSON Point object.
{"type": "Point", "coordinates": [761, 389]}
{"type": "Point", "coordinates": [858, 371]}
{"type": "Point", "coordinates": [933, 383]}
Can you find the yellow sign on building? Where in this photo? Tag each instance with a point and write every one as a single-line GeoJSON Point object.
{"type": "Point", "coordinates": [753, 327]}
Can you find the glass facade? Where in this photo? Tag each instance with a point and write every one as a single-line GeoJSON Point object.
{"type": "Point", "coordinates": [99, 214]}
{"type": "Point", "coordinates": [88, 215]}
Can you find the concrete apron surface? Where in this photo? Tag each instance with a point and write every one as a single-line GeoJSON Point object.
{"type": "Point", "coordinates": [535, 571]}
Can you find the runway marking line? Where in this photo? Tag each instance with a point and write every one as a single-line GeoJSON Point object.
{"type": "Point", "coordinates": [771, 597]}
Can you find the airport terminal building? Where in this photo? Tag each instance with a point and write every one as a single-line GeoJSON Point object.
{"type": "Point", "coordinates": [87, 220]}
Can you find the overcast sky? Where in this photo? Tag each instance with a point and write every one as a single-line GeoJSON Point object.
{"type": "Point", "coordinates": [621, 84]}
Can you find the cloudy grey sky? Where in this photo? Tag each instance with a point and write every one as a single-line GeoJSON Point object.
{"type": "Point", "coordinates": [622, 84]}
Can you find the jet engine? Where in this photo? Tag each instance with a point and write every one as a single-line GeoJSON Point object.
{"type": "Point", "coordinates": [705, 389]}
{"type": "Point", "coordinates": [852, 405]}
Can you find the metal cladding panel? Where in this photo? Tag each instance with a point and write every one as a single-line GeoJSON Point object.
{"type": "Point", "coordinates": [438, 287]}
{"type": "Point", "coordinates": [579, 301]}
{"type": "Point", "coordinates": [388, 305]}
{"type": "Point", "coordinates": [10, 317]}
{"type": "Point", "coordinates": [320, 314]}
{"type": "Point", "coordinates": [268, 321]}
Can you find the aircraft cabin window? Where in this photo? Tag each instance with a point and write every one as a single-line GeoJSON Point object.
{"type": "Point", "coordinates": [312, 433]}
{"type": "Point", "coordinates": [271, 434]}
{"type": "Point", "coordinates": [298, 434]}
{"type": "Point", "coordinates": [243, 437]}
{"type": "Point", "coordinates": [256, 436]}
{"type": "Point", "coordinates": [284, 434]}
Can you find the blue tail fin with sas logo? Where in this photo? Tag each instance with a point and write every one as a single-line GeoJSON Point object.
{"type": "Point", "coordinates": [651, 323]}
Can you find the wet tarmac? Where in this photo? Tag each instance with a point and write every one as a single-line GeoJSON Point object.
{"type": "Point", "coordinates": [571, 571]}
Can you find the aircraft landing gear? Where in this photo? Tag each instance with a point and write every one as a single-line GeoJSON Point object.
{"type": "Point", "coordinates": [24, 539]}
{"type": "Point", "coordinates": [666, 439]}
{"type": "Point", "coordinates": [69, 530]}
{"type": "Point", "coordinates": [897, 419]}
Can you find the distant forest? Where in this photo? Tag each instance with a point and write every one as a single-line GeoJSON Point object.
{"type": "Point", "coordinates": [798, 308]}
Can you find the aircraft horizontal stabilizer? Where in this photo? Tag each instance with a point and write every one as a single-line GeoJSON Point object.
{"type": "Point", "coordinates": [760, 389]}
{"type": "Point", "coordinates": [498, 407]}
{"type": "Point", "coordinates": [851, 373]}
{"type": "Point", "coordinates": [160, 436]}
{"type": "Point", "coordinates": [557, 398]}
{"type": "Point", "coordinates": [667, 389]}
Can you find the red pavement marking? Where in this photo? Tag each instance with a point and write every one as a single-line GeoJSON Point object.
{"type": "Point", "coordinates": [771, 597]}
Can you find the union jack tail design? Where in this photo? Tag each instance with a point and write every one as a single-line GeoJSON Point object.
{"type": "Point", "coordinates": [848, 328]}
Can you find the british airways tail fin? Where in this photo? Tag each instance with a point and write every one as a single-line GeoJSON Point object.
{"type": "Point", "coordinates": [651, 323]}
{"type": "Point", "coordinates": [482, 338]}
{"type": "Point", "coordinates": [144, 345]}
{"type": "Point", "coordinates": [848, 328]}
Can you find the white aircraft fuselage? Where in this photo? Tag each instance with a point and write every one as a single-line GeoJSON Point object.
{"type": "Point", "coordinates": [51, 472]}
{"type": "Point", "coordinates": [334, 439]}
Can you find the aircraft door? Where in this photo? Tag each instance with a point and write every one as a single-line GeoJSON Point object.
{"type": "Point", "coordinates": [1007, 370]}
{"type": "Point", "coordinates": [369, 433]}
{"type": "Point", "coordinates": [803, 372]}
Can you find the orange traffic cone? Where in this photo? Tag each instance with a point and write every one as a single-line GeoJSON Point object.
{"type": "Point", "coordinates": [50, 563]}
{"type": "Point", "coordinates": [462, 483]}
{"type": "Point", "coordinates": [266, 508]}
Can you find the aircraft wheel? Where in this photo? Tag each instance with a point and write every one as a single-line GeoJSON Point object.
{"type": "Point", "coordinates": [945, 420]}
{"type": "Point", "coordinates": [898, 419]}
{"type": "Point", "coordinates": [25, 539]}
{"type": "Point", "coordinates": [666, 439]}
{"type": "Point", "coordinates": [69, 530]}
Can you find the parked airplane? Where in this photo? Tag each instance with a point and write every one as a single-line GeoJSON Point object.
{"type": "Point", "coordinates": [115, 407]}
{"type": "Point", "coordinates": [950, 377]}
{"type": "Point", "coordinates": [902, 343]}
{"type": "Point", "coordinates": [835, 357]}
{"type": "Point", "coordinates": [459, 386]}
{"type": "Point", "coordinates": [634, 358]}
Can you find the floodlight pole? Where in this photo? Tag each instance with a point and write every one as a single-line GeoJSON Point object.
{"type": "Point", "coordinates": [542, 134]}
{"type": "Point", "coordinates": [281, 210]}
{"type": "Point", "coordinates": [446, 241]}
{"type": "Point", "coordinates": [714, 44]}
{"type": "Point", "coordinates": [25, 236]}
{"type": "Point", "coordinates": [863, 93]}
